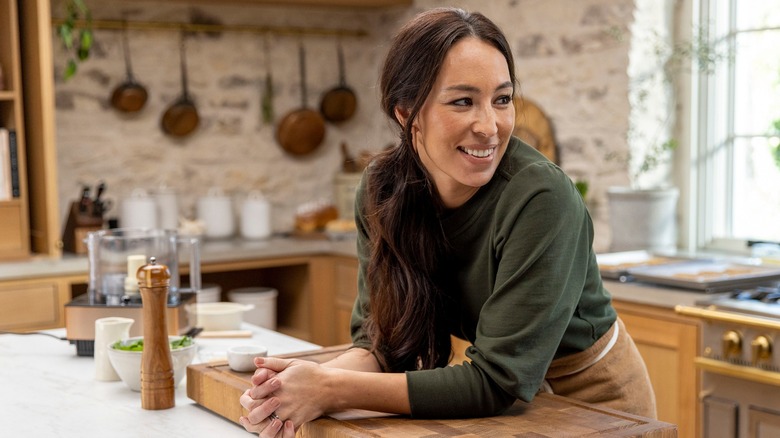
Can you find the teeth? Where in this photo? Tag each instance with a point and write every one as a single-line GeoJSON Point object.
{"type": "Point", "coordinates": [479, 153]}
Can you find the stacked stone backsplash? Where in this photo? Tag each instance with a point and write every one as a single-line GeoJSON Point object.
{"type": "Point", "coordinates": [567, 62]}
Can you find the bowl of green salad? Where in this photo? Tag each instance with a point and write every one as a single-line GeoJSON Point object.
{"type": "Point", "coordinates": [125, 357]}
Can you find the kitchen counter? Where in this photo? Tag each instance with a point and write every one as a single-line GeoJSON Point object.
{"type": "Point", "coordinates": [49, 391]}
{"type": "Point", "coordinates": [654, 295]}
{"type": "Point", "coordinates": [237, 250]}
{"type": "Point", "coordinates": [212, 251]}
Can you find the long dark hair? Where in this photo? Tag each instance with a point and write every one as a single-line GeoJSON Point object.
{"type": "Point", "coordinates": [408, 297]}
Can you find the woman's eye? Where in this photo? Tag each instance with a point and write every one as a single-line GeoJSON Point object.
{"type": "Point", "coordinates": [462, 102]}
{"type": "Point", "coordinates": [503, 100]}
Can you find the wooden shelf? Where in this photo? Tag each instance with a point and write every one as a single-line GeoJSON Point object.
{"type": "Point", "coordinates": [14, 219]}
{"type": "Point", "coordinates": [359, 4]}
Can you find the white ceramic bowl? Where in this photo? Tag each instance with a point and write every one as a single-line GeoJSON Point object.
{"type": "Point", "coordinates": [218, 316]}
{"type": "Point", "coordinates": [127, 364]}
{"type": "Point", "coordinates": [242, 358]}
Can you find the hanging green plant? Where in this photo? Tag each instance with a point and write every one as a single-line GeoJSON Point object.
{"type": "Point", "coordinates": [77, 41]}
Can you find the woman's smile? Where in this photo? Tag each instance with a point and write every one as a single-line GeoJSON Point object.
{"type": "Point", "coordinates": [478, 152]}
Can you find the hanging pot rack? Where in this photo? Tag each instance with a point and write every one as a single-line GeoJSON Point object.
{"type": "Point", "coordinates": [196, 27]}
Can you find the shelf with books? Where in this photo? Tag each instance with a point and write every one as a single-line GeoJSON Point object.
{"type": "Point", "coordinates": [14, 209]}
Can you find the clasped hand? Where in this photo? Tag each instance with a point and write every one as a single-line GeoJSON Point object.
{"type": "Point", "coordinates": [285, 393]}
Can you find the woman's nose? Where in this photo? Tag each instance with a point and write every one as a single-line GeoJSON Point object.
{"type": "Point", "coordinates": [485, 122]}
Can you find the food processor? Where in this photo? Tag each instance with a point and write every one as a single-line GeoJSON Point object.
{"type": "Point", "coordinates": [114, 258]}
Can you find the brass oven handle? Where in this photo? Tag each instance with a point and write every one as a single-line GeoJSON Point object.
{"type": "Point", "coordinates": [746, 373]}
{"type": "Point", "coordinates": [717, 315]}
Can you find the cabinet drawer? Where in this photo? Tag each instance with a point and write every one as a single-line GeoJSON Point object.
{"type": "Point", "coordinates": [30, 306]}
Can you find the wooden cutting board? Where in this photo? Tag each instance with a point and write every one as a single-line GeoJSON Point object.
{"type": "Point", "coordinates": [216, 387]}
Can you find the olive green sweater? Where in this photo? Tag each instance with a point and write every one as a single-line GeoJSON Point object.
{"type": "Point", "coordinates": [528, 288]}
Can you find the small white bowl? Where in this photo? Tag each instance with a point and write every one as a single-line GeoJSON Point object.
{"type": "Point", "coordinates": [242, 358]}
{"type": "Point", "coordinates": [127, 364]}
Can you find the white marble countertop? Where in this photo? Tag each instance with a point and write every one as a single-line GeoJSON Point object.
{"type": "Point", "coordinates": [46, 390]}
{"type": "Point", "coordinates": [212, 251]}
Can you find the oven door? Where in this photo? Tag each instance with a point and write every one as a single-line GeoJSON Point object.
{"type": "Point", "coordinates": [739, 408]}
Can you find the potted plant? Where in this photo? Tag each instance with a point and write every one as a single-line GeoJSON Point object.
{"type": "Point", "coordinates": [643, 215]}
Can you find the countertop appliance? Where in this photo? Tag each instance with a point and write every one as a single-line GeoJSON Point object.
{"type": "Point", "coordinates": [114, 257]}
{"type": "Point", "coordinates": [740, 364]}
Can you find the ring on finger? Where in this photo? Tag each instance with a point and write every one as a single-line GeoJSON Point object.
{"type": "Point", "coordinates": [274, 416]}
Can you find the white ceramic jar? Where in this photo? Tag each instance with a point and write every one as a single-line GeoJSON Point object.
{"type": "Point", "coordinates": [167, 208]}
{"type": "Point", "coordinates": [139, 210]}
{"type": "Point", "coordinates": [256, 217]}
{"type": "Point", "coordinates": [215, 210]}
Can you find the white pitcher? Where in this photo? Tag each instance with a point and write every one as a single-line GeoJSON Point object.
{"type": "Point", "coordinates": [107, 331]}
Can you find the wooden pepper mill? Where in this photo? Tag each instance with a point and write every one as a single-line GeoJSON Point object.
{"type": "Point", "coordinates": [157, 391]}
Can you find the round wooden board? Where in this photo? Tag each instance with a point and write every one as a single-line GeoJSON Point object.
{"type": "Point", "coordinates": [533, 127]}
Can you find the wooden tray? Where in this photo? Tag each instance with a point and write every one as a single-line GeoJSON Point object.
{"type": "Point", "coordinates": [217, 388]}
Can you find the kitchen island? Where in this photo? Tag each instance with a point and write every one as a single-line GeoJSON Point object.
{"type": "Point", "coordinates": [48, 391]}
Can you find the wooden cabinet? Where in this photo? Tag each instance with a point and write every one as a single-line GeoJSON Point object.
{"type": "Point", "coordinates": [668, 343]}
{"type": "Point", "coordinates": [13, 212]}
{"type": "Point", "coordinates": [345, 283]}
{"type": "Point", "coordinates": [35, 304]}
{"type": "Point", "coordinates": [30, 222]}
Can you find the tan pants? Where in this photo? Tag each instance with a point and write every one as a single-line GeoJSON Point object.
{"type": "Point", "coordinates": [611, 373]}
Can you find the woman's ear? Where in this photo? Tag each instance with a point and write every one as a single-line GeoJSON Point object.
{"type": "Point", "coordinates": [401, 115]}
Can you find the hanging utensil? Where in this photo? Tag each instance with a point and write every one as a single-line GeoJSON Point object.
{"type": "Point", "coordinates": [340, 102]}
{"type": "Point", "coordinates": [181, 118]}
{"type": "Point", "coordinates": [129, 96]}
{"type": "Point", "coordinates": [267, 99]}
{"type": "Point", "coordinates": [301, 131]}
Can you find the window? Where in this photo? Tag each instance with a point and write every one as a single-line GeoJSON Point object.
{"type": "Point", "coordinates": [737, 158]}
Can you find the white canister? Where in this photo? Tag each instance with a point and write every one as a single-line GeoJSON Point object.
{"type": "Point", "coordinates": [107, 331]}
{"type": "Point", "coordinates": [256, 217]}
{"type": "Point", "coordinates": [264, 301]}
{"type": "Point", "coordinates": [167, 208]}
{"type": "Point", "coordinates": [215, 210]}
{"type": "Point", "coordinates": [139, 210]}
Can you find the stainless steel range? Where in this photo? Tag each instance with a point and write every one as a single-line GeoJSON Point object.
{"type": "Point", "coordinates": [740, 363]}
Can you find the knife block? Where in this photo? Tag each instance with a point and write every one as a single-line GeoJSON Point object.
{"type": "Point", "coordinates": [80, 223]}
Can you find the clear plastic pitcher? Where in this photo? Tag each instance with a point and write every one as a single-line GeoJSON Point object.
{"type": "Point", "coordinates": [116, 254]}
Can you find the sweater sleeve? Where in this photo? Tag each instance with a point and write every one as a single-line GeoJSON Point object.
{"type": "Point", "coordinates": [540, 243]}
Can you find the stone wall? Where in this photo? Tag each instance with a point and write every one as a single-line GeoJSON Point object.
{"type": "Point", "coordinates": [568, 59]}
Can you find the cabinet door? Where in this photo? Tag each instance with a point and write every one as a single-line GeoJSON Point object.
{"type": "Point", "coordinates": [33, 305]}
{"type": "Point", "coordinates": [346, 292]}
{"type": "Point", "coordinates": [668, 344]}
{"type": "Point", "coordinates": [763, 423]}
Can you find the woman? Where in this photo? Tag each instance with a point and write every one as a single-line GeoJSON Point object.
{"type": "Point", "coordinates": [462, 230]}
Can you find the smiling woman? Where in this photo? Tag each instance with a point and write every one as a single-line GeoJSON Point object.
{"type": "Point", "coordinates": [464, 230]}
{"type": "Point", "coordinates": [462, 131]}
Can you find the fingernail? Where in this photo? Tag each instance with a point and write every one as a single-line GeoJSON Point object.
{"type": "Point", "coordinates": [275, 402]}
{"type": "Point", "coordinates": [275, 383]}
